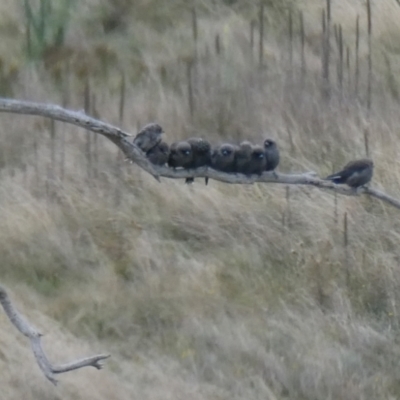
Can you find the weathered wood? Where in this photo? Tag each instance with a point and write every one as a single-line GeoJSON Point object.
{"type": "Point", "coordinates": [35, 336]}
{"type": "Point", "coordinates": [134, 154]}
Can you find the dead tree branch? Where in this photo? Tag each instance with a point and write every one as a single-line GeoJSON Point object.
{"type": "Point", "coordinates": [34, 336]}
{"type": "Point", "coordinates": [79, 118]}
{"type": "Point", "coordinates": [124, 142]}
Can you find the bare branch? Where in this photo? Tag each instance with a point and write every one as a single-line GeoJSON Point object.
{"type": "Point", "coordinates": [79, 118]}
{"type": "Point", "coordinates": [123, 141]}
{"type": "Point", "coordinates": [34, 336]}
{"type": "Point", "coordinates": [383, 196]}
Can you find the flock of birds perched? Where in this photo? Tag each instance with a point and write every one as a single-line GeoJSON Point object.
{"type": "Point", "coordinates": [245, 158]}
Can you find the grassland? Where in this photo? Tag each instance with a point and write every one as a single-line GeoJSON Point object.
{"type": "Point", "coordinates": [218, 292]}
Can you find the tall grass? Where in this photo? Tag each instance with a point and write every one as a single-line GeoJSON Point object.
{"type": "Point", "coordinates": [207, 292]}
{"type": "Point", "coordinates": [46, 25]}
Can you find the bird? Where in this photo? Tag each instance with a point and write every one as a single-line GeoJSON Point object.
{"type": "Point", "coordinates": [201, 150]}
{"type": "Point", "coordinates": [159, 154]}
{"type": "Point", "coordinates": [355, 173]}
{"type": "Point", "coordinates": [272, 156]}
{"type": "Point", "coordinates": [243, 157]}
{"type": "Point", "coordinates": [223, 157]}
{"type": "Point", "coordinates": [180, 155]}
{"type": "Point", "coordinates": [148, 137]}
{"type": "Point", "coordinates": [257, 160]}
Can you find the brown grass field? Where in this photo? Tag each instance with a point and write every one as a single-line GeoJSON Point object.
{"type": "Point", "coordinates": [217, 292]}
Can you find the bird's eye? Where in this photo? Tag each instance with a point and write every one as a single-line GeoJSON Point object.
{"type": "Point", "coordinates": [186, 152]}
{"type": "Point", "coordinates": [225, 152]}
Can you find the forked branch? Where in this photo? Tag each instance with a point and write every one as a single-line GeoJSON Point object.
{"type": "Point", "coordinates": [34, 336]}
{"type": "Point", "coordinates": [123, 141]}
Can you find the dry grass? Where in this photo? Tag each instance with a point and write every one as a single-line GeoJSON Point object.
{"type": "Point", "coordinates": [201, 292]}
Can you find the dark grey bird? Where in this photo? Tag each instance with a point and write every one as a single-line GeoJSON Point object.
{"type": "Point", "coordinates": [148, 137]}
{"type": "Point", "coordinates": [257, 160]}
{"type": "Point", "coordinates": [355, 174]}
{"type": "Point", "coordinates": [272, 156]}
{"type": "Point", "coordinates": [243, 157]}
{"type": "Point", "coordinates": [159, 154]}
{"type": "Point", "coordinates": [201, 150]}
{"type": "Point", "coordinates": [180, 155]}
{"type": "Point", "coordinates": [223, 157]}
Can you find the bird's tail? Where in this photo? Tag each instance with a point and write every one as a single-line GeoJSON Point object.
{"type": "Point", "coordinates": [335, 178]}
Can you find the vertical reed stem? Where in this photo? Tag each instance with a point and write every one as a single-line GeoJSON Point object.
{"type": "Point", "coordinates": [366, 141]}
{"type": "Point", "coordinates": [326, 51]}
{"type": "Point", "coordinates": [122, 94]}
{"type": "Point", "coordinates": [195, 31]}
{"type": "Point", "coordinates": [252, 29]}
{"type": "Point", "coordinates": [189, 68]}
{"type": "Point", "coordinates": [88, 148]}
{"type": "Point", "coordinates": [288, 210]}
{"type": "Point", "coordinates": [51, 171]}
{"type": "Point", "coordinates": [357, 56]}
{"type": "Point", "coordinates": [95, 139]}
{"type": "Point", "coordinates": [302, 48]}
{"type": "Point", "coordinates": [369, 88]}
{"type": "Point", "coordinates": [348, 66]}
{"type": "Point", "coordinates": [335, 212]}
{"type": "Point", "coordinates": [217, 44]}
{"type": "Point", "coordinates": [261, 41]}
{"type": "Point", "coordinates": [340, 66]}
{"type": "Point", "coordinates": [290, 28]}
{"type": "Point", "coordinates": [346, 248]}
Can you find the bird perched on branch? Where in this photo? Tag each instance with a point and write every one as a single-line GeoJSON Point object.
{"type": "Point", "coordinates": [159, 154]}
{"type": "Point", "coordinates": [243, 157]}
{"type": "Point", "coordinates": [148, 137]}
{"type": "Point", "coordinates": [180, 155]}
{"type": "Point", "coordinates": [257, 160]}
{"type": "Point", "coordinates": [201, 150]}
{"type": "Point", "coordinates": [272, 156]}
{"type": "Point", "coordinates": [223, 158]}
{"type": "Point", "coordinates": [355, 174]}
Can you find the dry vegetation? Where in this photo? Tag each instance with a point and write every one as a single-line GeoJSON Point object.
{"type": "Point", "coordinates": [218, 292]}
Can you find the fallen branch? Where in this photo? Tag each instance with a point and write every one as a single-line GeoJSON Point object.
{"type": "Point", "coordinates": [34, 336]}
{"type": "Point", "coordinates": [124, 142]}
